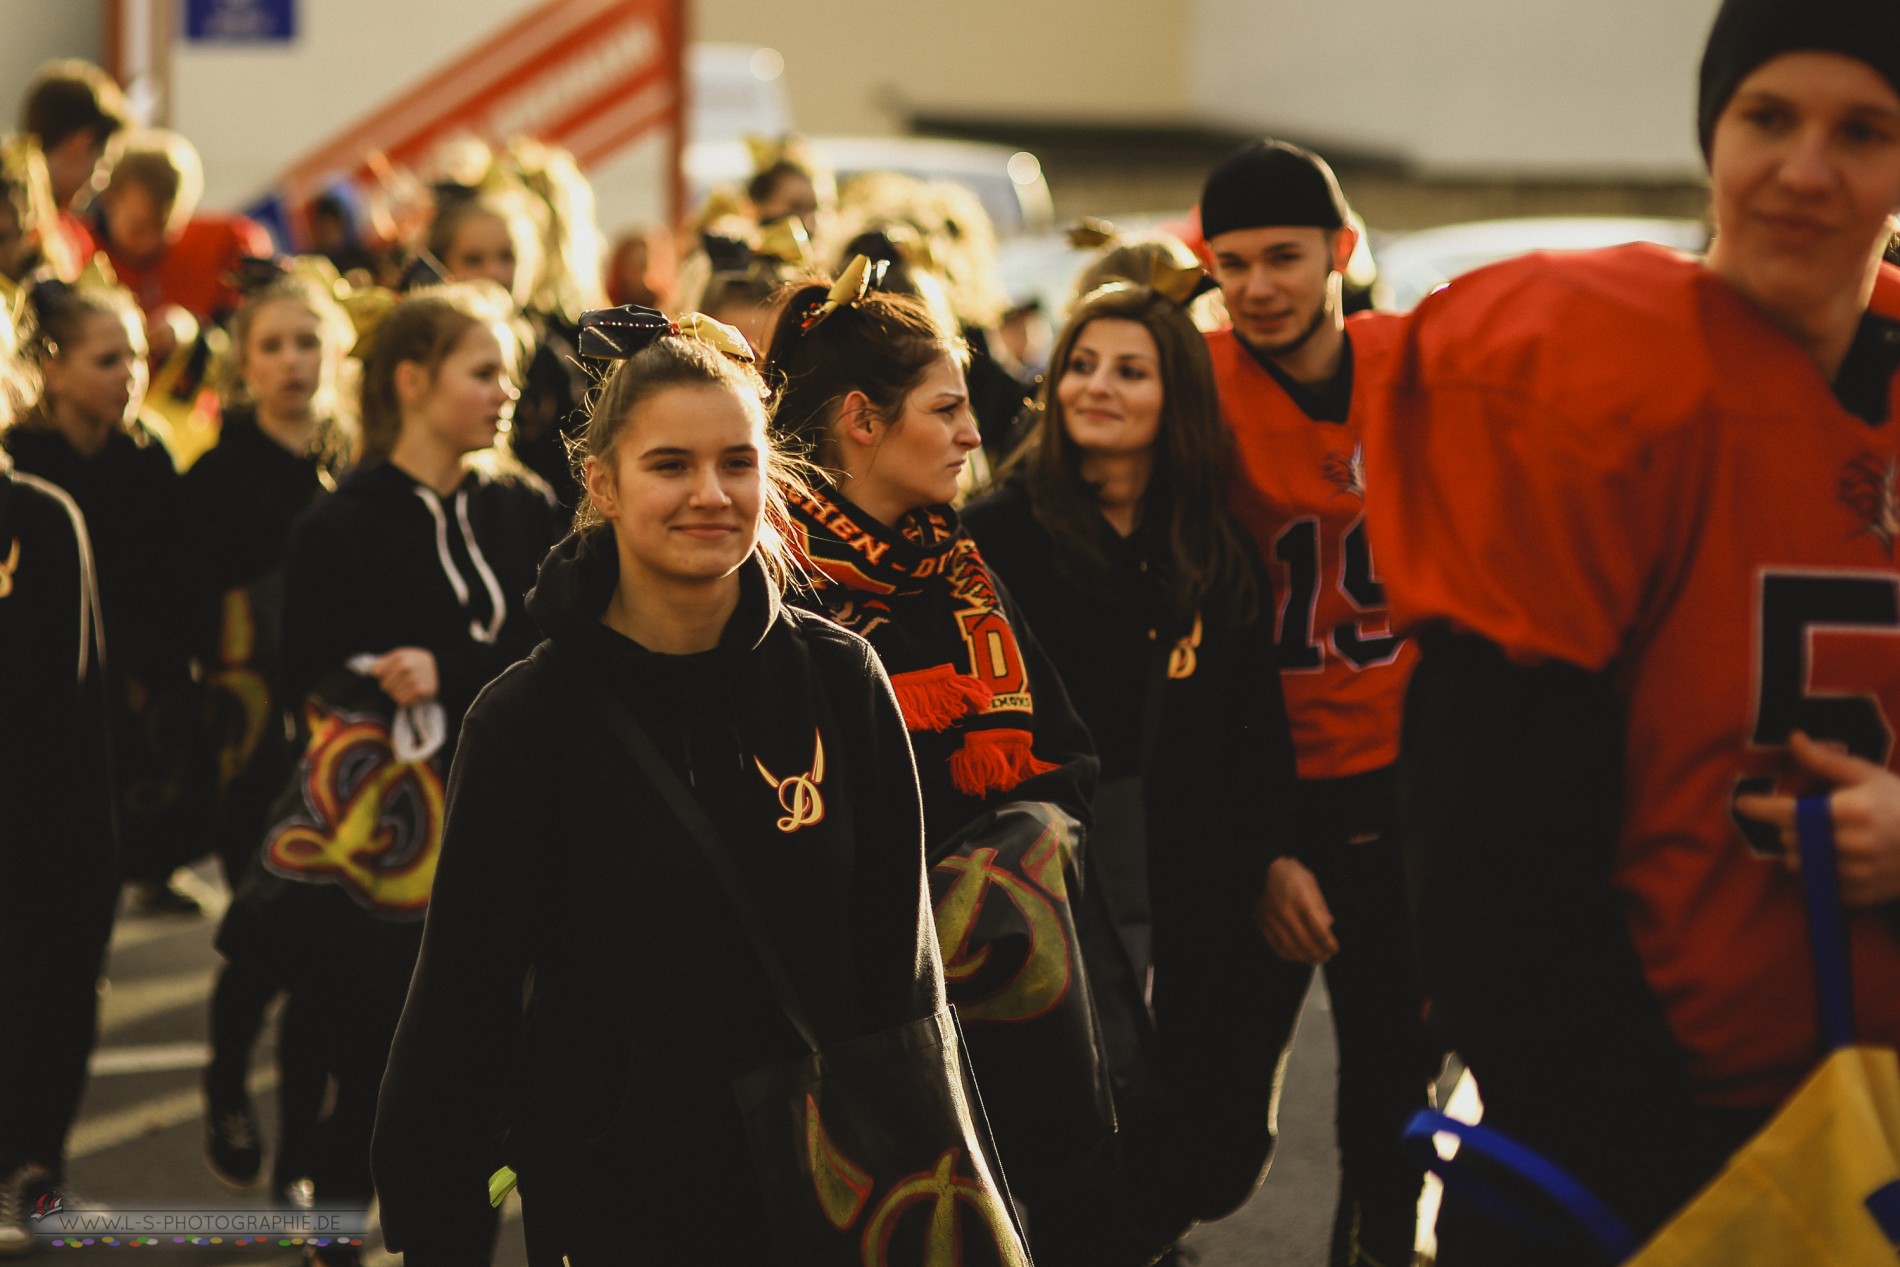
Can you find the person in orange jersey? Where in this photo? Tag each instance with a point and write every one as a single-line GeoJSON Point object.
{"type": "Point", "coordinates": [1297, 380]}
{"type": "Point", "coordinates": [1640, 510]}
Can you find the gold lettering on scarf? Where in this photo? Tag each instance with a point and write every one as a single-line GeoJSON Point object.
{"type": "Point", "coordinates": [1183, 660]}
{"type": "Point", "coordinates": [798, 794]}
{"type": "Point", "coordinates": [8, 568]}
{"type": "Point", "coordinates": [1042, 979]}
{"type": "Point", "coordinates": [947, 1192]}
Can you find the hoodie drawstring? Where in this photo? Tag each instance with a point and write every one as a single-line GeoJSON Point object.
{"type": "Point", "coordinates": [476, 629]}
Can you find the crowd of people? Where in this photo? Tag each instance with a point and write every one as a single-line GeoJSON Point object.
{"type": "Point", "coordinates": [769, 709]}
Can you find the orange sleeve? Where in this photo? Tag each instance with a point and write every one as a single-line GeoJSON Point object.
{"type": "Point", "coordinates": [1534, 469]}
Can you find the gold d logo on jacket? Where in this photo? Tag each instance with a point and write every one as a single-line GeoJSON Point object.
{"type": "Point", "coordinates": [1036, 976]}
{"type": "Point", "coordinates": [8, 568]}
{"type": "Point", "coordinates": [363, 819]}
{"type": "Point", "coordinates": [798, 794]}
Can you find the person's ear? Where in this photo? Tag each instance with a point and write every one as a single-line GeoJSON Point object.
{"type": "Point", "coordinates": [603, 488]}
{"type": "Point", "coordinates": [855, 420]}
{"type": "Point", "coordinates": [1345, 241]}
{"type": "Point", "coordinates": [412, 383]}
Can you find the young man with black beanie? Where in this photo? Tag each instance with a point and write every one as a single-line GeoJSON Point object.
{"type": "Point", "coordinates": [1296, 380]}
{"type": "Point", "coordinates": [1640, 511]}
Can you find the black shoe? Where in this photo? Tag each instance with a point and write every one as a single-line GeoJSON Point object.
{"type": "Point", "coordinates": [16, 1238]}
{"type": "Point", "coordinates": [164, 897]}
{"type": "Point", "coordinates": [231, 1148]}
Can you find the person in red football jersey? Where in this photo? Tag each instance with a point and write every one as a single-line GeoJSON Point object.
{"type": "Point", "coordinates": [1296, 381]}
{"type": "Point", "coordinates": [161, 250]}
{"type": "Point", "coordinates": [1640, 510]}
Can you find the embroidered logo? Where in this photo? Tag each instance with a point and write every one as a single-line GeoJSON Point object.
{"type": "Point", "coordinates": [1870, 487]}
{"type": "Point", "coordinates": [1184, 658]}
{"type": "Point", "coordinates": [1347, 472]}
{"type": "Point", "coordinates": [798, 794]}
{"type": "Point", "coordinates": [8, 568]}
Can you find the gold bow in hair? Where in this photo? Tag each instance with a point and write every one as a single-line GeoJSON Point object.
{"type": "Point", "coordinates": [98, 272]}
{"type": "Point", "coordinates": [785, 241]}
{"type": "Point", "coordinates": [716, 335]}
{"type": "Point", "coordinates": [1090, 232]}
{"type": "Point", "coordinates": [366, 308]}
{"type": "Point", "coordinates": [859, 276]}
{"type": "Point", "coordinates": [1181, 284]}
{"type": "Point", "coordinates": [619, 334]}
{"type": "Point", "coordinates": [767, 153]}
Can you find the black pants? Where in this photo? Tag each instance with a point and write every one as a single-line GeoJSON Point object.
{"type": "Point", "coordinates": [352, 985]}
{"type": "Point", "coordinates": [1388, 1059]}
{"type": "Point", "coordinates": [54, 927]}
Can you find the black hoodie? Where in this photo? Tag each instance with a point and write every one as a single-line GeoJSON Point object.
{"type": "Point", "coordinates": [562, 866]}
{"type": "Point", "coordinates": [387, 563]}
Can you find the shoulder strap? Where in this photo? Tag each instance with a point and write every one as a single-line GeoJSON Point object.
{"type": "Point", "coordinates": [705, 835]}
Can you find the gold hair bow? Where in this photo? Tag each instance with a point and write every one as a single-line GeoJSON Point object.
{"type": "Point", "coordinates": [618, 334]}
{"type": "Point", "coordinates": [767, 153]}
{"type": "Point", "coordinates": [1181, 284]}
{"type": "Point", "coordinates": [857, 280]}
{"type": "Point", "coordinates": [366, 308]}
{"type": "Point", "coordinates": [716, 335]}
{"type": "Point", "coordinates": [785, 241]}
{"type": "Point", "coordinates": [1090, 232]}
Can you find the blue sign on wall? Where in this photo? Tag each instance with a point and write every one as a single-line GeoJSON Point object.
{"type": "Point", "coordinates": [241, 21]}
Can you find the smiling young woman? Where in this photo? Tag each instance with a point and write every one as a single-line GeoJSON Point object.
{"type": "Point", "coordinates": [1610, 485]}
{"type": "Point", "coordinates": [1110, 527]}
{"type": "Point", "coordinates": [564, 866]}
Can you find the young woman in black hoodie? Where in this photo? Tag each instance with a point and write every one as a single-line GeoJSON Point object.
{"type": "Point", "coordinates": [284, 437]}
{"type": "Point", "coordinates": [412, 577]}
{"type": "Point", "coordinates": [86, 436]}
{"type": "Point", "coordinates": [1110, 528]}
{"type": "Point", "coordinates": [579, 949]}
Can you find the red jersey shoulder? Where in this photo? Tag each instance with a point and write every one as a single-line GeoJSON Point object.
{"type": "Point", "coordinates": [1886, 300]}
{"type": "Point", "coordinates": [1616, 334]}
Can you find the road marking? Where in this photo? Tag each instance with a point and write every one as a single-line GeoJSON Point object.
{"type": "Point", "coordinates": [131, 1001]}
{"type": "Point", "coordinates": [148, 1058]}
{"type": "Point", "coordinates": [148, 1117]}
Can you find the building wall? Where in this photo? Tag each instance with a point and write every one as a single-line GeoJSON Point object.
{"type": "Point", "coordinates": [1105, 60]}
{"type": "Point", "coordinates": [1531, 87]}
{"type": "Point", "coordinates": [38, 33]}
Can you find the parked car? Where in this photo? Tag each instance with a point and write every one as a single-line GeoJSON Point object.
{"type": "Point", "coordinates": [1008, 182]}
{"type": "Point", "coordinates": [1413, 265]}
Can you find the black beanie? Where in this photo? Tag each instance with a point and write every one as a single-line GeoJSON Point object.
{"type": "Point", "coordinates": [1271, 183]}
{"type": "Point", "coordinates": [1748, 33]}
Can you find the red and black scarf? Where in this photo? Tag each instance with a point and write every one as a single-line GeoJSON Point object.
{"type": "Point", "coordinates": [920, 594]}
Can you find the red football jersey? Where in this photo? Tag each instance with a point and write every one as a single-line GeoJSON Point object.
{"type": "Point", "coordinates": [1301, 491]}
{"type": "Point", "coordinates": [194, 271]}
{"type": "Point", "coordinates": [1611, 459]}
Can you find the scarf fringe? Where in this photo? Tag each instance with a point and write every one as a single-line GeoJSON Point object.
{"type": "Point", "coordinates": [994, 761]}
{"type": "Point", "coordinates": [938, 698]}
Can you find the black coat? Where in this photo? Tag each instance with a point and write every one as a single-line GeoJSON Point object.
{"type": "Point", "coordinates": [1219, 793]}
{"type": "Point", "coordinates": [371, 569]}
{"type": "Point", "coordinates": [562, 865]}
{"type": "Point", "coordinates": [241, 499]}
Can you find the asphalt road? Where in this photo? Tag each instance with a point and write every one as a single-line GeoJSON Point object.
{"type": "Point", "coordinates": [137, 1144]}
